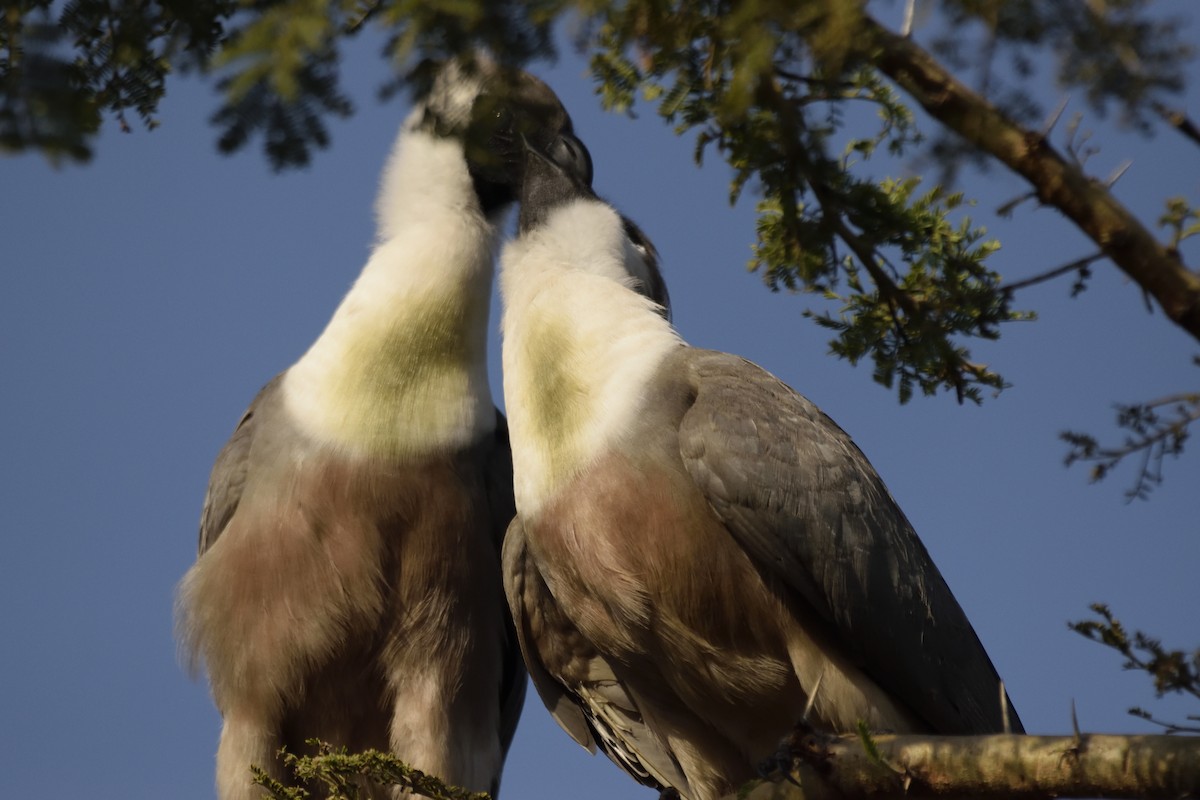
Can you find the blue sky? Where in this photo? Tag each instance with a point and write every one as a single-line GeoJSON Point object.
{"type": "Point", "coordinates": [146, 296]}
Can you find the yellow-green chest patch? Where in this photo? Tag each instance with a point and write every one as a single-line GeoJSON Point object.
{"type": "Point", "coordinates": [401, 382]}
{"type": "Point", "coordinates": [557, 399]}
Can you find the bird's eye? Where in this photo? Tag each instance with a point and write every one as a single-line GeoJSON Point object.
{"type": "Point", "coordinates": [570, 154]}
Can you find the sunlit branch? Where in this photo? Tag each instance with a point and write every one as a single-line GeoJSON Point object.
{"type": "Point", "coordinates": [982, 767]}
{"type": "Point", "coordinates": [1057, 181]}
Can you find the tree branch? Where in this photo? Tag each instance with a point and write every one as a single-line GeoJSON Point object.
{"type": "Point", "coordinates": [1166, 725]}
{"type": "Point", "coordinates": [347, 776]}
{"type": "Point", "coordinates": [1153, 434]}
{"type": "Point", "coordinates": [1058, 183]}
{"type": "Point", "coordinates": [984, 767]}
{"type": "Point", "coordinates": [1178, 120]}
{"type": "Point", "coordinates": [1172, 670]}
{"type": "Point", "coordinates": [1079, 265]}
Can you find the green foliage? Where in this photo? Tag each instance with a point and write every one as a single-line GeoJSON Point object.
{"type": "Point", "coordinates": [868, 742]}
{"type": "Point", "coordinates": [279, 65]}
{"type": "Point", "coordinates": [1119, 54]}
{"type": "Point", "coordinates": [59, 76]}
{"type": "Point", "coordinates": [766, 84]}
{"type": "Point", "coordinates": [280, 77]}
{"type": "Point", "coordinates": [344, 776]}
{"type": "Point", "coordinates": [276, 62]}
{"type": "Point", "coordinates": [1173, 671]}
{"type": "Point", "coordinates": [906, 321]}
{"type": "Point", "coordinates": [41, 106]}
{"type": "Point", "coordinates": [777, 88]}
{"type": "Point", "coordinates": [1181, 220]}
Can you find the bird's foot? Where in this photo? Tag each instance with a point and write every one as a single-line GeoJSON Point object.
{"type": "Point", "coordinates": [803, 743]}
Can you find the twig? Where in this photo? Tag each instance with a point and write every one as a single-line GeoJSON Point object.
{"type": "Point", "coordinates": [1168, 727]}
{"type": "Point", "coordinates": [1153, 437]}
{"type": "Point", "coordinates": [1004, 709]}
{"type": "Point", "coordinates": [1058, 181]}
{"type": "Point", "coordinates": [362, 16]}
{"type": "Point", "coordinates": [1178, 120]}
{"type": "Point", "coordinates": [1112, 179]}
{"type": "Point", "coordinates": [1054, 117]}
{"type": "Point", "coordinates": [1078, 264]}
{"type": "Point", "coordinates": [910, 9]}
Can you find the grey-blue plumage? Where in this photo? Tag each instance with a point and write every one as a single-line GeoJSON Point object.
{"type": "Point", "coordinates": [701, 555]}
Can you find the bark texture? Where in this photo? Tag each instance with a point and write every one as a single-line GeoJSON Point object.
{"type": "Point", "coordinates": [1057, 181]}
{"type": "Point", "coordinates": [983, 767]}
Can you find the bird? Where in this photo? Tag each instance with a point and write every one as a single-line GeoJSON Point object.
{"type": "Point", "coordinates": [701, 558]}
{"type": "Point", "coordinates": [348, 586]}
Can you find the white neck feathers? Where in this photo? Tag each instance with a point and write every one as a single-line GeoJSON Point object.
{"type": "Point", "coordinates": [425, 179]}
{"type": "Point", "coordinates": [401, 367]}
{"type": "Point", "coordinates": [581, 347]}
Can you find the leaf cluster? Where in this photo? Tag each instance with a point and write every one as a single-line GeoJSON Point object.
{"type": "Point", "coordinates": [1181, 219]}
{"type": "Point", "coordinates": [791, 95]}
{"type": "Point", "coordinates": [276, 62]}
{"type": "Point", "coordinates": [766, 84]}
{"type": "Point", "coordinates": [1155, 429]}
{"type": "Point", "coordinates": [346, 776]}
{"type": "Point", "coordinates": [279, 67]}
{"type": "Point", "coordinates": [1173, 671]}
{"type": "Point", "coordinates": [1115, 51]}
{"type": "Point", "coordinates": [59, 75]}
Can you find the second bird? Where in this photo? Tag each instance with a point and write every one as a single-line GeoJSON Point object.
{"type": "Point", "coordinates": [701, 557]}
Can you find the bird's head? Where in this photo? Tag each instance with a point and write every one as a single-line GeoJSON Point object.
{"type": "Point", "coordinates": [497, 112]}
{"type": "Point", "coordinates": [556, 196]}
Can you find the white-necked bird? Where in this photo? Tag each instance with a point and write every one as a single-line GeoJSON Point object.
{"type": "Point", "coordinates": [701, 557]}
{"type": "Point", "coordinates": [348, 584]}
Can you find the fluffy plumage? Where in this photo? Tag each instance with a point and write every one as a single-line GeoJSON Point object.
{"type": "Point", "coordinates": [348, 583]}
{"type": "Point", "coordinates": [700, 554]}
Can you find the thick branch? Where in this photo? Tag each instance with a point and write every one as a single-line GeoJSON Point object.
{"type": "Point", "coordinates": [1058, 182]}
{"type": "Point", "coordinates": [983, 767]}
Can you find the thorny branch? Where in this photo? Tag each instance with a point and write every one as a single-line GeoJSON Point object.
{"type": "Point", "coordinates": [1057, 181]}
{"type": "Point", "coordinates": [1158, 429]}
{"type": "Point", "coordinates": [1173, 671]}
{"type": "Point", "coordinates": [1080, 265]}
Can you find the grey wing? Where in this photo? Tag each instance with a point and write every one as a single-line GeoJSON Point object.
{"type": "Point", "coordinates": [526, 594]}
{"type": "Point", "coordinates": [599, 711]}
{"type": "Point", "coordinates": [228, 477]}
{"type": "Point", "coordinates": [805, 502]}
{"type": "Point", "coordinates": [513, 682]}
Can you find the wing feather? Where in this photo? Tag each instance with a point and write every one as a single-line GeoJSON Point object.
{"type": "Point", "coordinates": [520, 590]}
{"type": "Point", "coordinates": [228, 477]}
{"type": "Point", "coordinates": [599, 710]}
{"type": "Point", "coordinates": [805, 502]}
